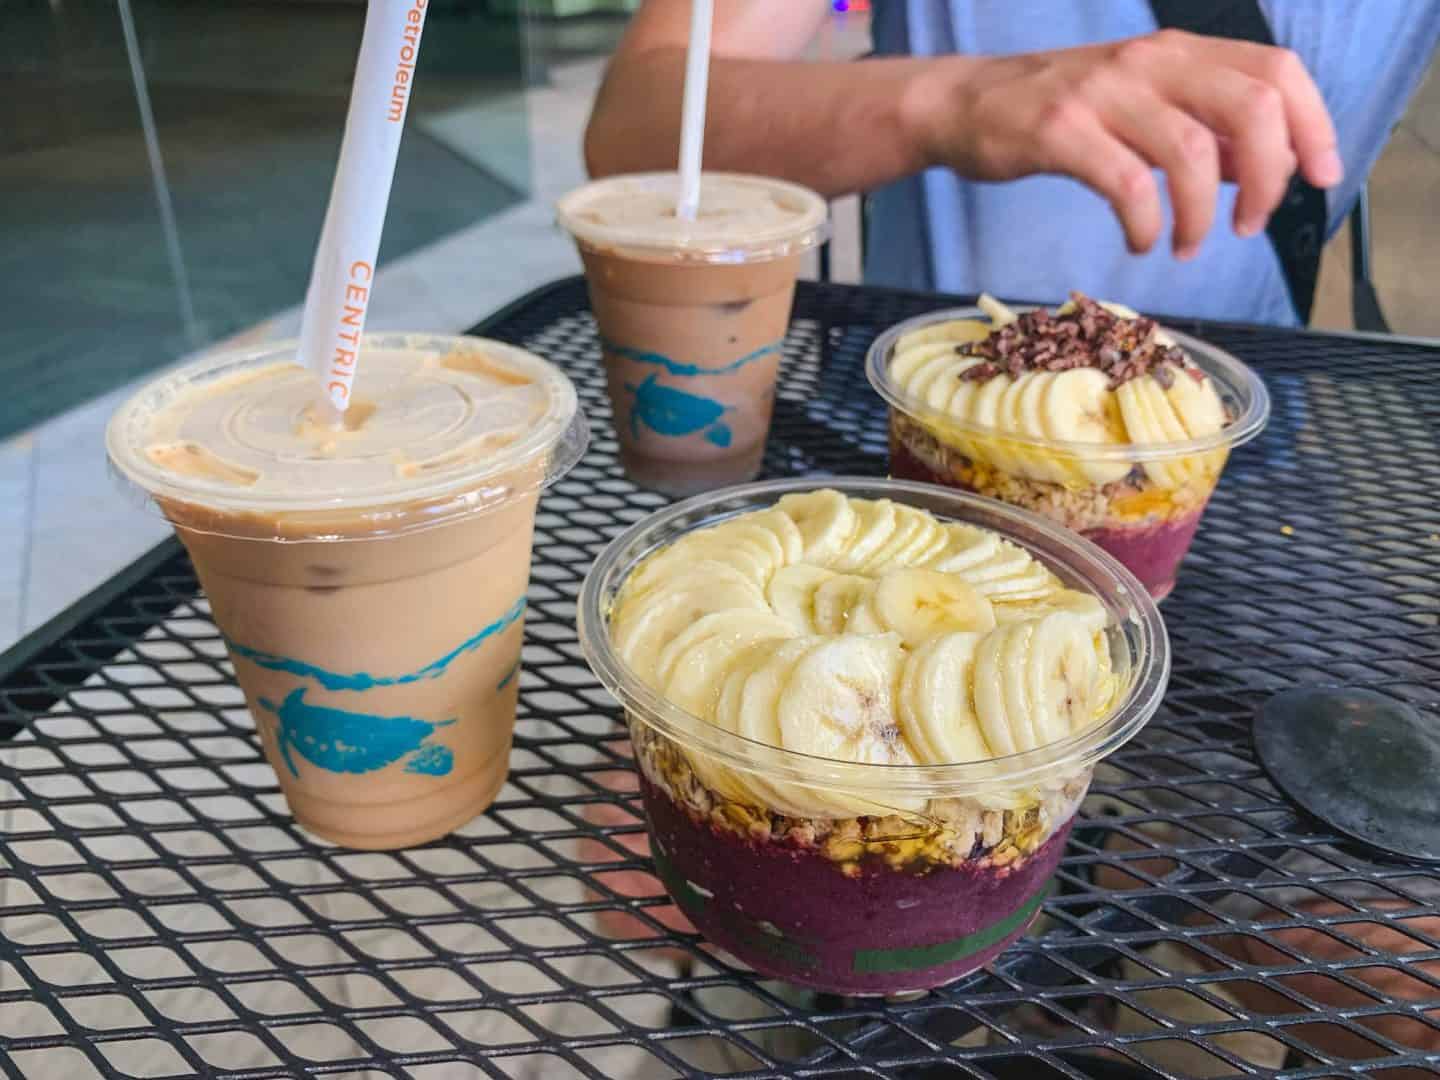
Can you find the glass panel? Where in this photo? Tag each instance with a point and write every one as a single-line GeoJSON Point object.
{"type": "Point", "coordinates": [248, 101]}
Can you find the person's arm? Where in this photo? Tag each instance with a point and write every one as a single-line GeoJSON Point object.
{"type": "Point", "coordinates": [833, 126]}
{"type": "Point", "coordinates": [1198, 108]}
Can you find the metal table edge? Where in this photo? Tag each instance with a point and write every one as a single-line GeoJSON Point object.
{"type": "Point", "coordinates": [58, 627]}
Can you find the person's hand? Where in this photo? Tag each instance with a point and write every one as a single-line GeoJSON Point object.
{"type": "Point", "coordinates": [1199, 108]}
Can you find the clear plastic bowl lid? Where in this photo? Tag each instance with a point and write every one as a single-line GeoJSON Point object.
{"type": "Point", "coordinates": [439, 427]}
{"type": "Point", "coordinates": [1240, 389]}
{"type": "Point", "coordinates": [741, 219]}
{"type": "Point", "coordinates": [1139, 646]}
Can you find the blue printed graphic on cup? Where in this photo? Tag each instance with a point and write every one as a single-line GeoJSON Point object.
{"type": "Point", "coordinates": [338, 740]}
{"type": "Point", "coordinates": [354, 741]}
{"type": "Point", "coordinates": [667, 410]}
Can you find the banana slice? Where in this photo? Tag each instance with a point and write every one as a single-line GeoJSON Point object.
{"type": "Point", "coordinates": [959, 404]}
{"type": "Point", "coordinates": [936, 710]}
{"type": "Point", "coordinates": [1196, 403]}
{"type": "Point", "coordinates": [910, 527]}
{"type": "Point", "coordinates": [691, 668]}
{"type": "Point", "coordinates": [919, 604]}
{"type": "Point", "coordinates": [1083, 606]}
{"type": "Point", "coordinates": [1015, 686]}
{"type": "Point", "coordinates": [783, 528]}
{"type": "Point", "coordinates": [1061, 672]}
{"type": "Point", "coordinates": [966, 546]}
{"type": "Point", "coordinates": [907, 359]}
{"type": "Point", "coordinates": [1169, 423]}
{"type": "Point", "coordinates": [757, 717]}
{"type": "Point", "coordinates": [1031, 583]}
{"type": "Point", "coordinates": [999, 313]}
{"type": "Point", "coordinates": [927, 548]}
{"type": "Point", "coordinates": [672, 567]}
{"type": "Point", "coordinates": [791, 593]}
{"type": "Point", "coordinates": [1161, 409]}
{"type": "Point", "coordinates": [834, 601]}
{"type": "Point", "coordinates": [751, 561]}
{"type": "Point", "coordinates": [667, 611]}
{"type": "Point", "coordinates": [755, 560]}
{"type": "Point", "coordinates": [738, 785]}
{"type": "Point", "coordinates": [985, 413]}
{"type": "Point", "coordinates": [1030, 392]}
{"type": "Point", "coordinates": [953, 331]}
{"type": "Point", "coordinates": [1114, 307]}
{"type": "Point", "coordinates": [839, 703]}
{"type": "Point", "coordinates": [749, 532]}
{"type": "Point", "coordinates": [826, 520]}
{"type": "Point", "coordinates": [1078, 406]}
{"type": "Point", "coordinates": [1009, 560]}
{"type": "Point", "coordinates": [940, 389]}
{"type": "Point", "coordinates": [942, 369]}
{"type": "Point", "coordinates": [1145, 426]}
{"type": "Point", "coordinates": [997, 690]}
{"type": "Point", "coordinates": [864, 620]}
{"type": "Point", "coordinates": [875, 522]}
{"type": "Point", "coordinates": [923, 537]}
{"type": "Point", "coordinates": [1019, 413]}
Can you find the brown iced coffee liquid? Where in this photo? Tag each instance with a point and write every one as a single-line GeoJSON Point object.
{"type": "Point", "coordinates": [367, 611]}
{"type": "Point", "coordinates": [691, 352]}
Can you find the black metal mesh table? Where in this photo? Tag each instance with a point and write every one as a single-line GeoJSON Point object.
{"type": "Point", "coordinates": [160, 914]}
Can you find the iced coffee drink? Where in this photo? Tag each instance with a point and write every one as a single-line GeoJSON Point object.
{"type": "Point", "coordinates": [368, 577]}
{"type": "Point", "coordinates": [692, 316]}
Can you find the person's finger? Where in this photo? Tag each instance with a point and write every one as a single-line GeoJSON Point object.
{"type": "Point", "coordinates": [1180, 145]}
{"type": "Point", "coordinates": [1250, 114]}
{"type": "Point", "coordinates": [1312, 133]}
{"type": "Point", "coordinates": [1070, 139]}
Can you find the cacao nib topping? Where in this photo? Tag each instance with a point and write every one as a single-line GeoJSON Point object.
{"type": "Point", "coordinates": [1088, 336]}
{"type": "Point", "coordinates": [980, 372]}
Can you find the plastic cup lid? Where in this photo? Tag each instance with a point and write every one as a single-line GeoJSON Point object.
{"type": "Point", "coordinates": [741, 219]}
{"type": "Point", "coordinates": [438, 427]}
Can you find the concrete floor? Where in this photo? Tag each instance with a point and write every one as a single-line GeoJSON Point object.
{"type": "Point", "coordinates": [65, 527]}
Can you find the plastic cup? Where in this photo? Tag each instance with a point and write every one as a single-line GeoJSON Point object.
{"type": "Point", "coordinates": [369, 580]}
{"type": "Point", "coordinates": [900, 900]}
{"type": "Point", "coordinates": [692, 316]}
{"type": "Point", "coordinates": [1146, 522]}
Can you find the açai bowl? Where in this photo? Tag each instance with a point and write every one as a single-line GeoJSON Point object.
{"type": "Point", "coordinates": [865, 715]}
{"type": "Point", "coordinates": [1091, 415]}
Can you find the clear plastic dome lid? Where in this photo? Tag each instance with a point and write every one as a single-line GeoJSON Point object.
{"type": "Point", "coordinates": [438, 426]}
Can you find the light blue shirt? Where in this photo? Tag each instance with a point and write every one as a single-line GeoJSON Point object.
{"type": "Point", "coordinates": [1035, 239]}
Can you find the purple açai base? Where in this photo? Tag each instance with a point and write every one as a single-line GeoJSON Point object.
{"type": "Point", "coordinates": [1151, 550]}
{"type": "Point", "coordinates": [793, 914]}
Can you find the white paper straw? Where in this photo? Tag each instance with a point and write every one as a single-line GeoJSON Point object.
{"type": "Point", "coordinates": [692, 108]}
{"type": "Point", "coordinates": [344, 270]}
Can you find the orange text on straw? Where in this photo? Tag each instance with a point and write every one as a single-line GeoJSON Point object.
{"type": "Point", "coordinates": [404, 69]}
{"type": "Point", "coordinates": [352, 318]}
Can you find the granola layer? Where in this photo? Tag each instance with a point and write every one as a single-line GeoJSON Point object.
{"type": "Point", "coordinates": [1132, 499]}
{"type": "Point", "coordinates": [949, 832]}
